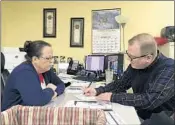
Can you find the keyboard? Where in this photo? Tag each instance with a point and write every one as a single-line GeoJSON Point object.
{"type": "Point", "coordinates": [88, 79]}
{"type": "Point", "coordinates": [85, 78]}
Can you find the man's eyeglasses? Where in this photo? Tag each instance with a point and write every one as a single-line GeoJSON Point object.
{"type": "Point", "coordinates": [134, 57]}
{"type": "Point", "coordinates": [48, 58]}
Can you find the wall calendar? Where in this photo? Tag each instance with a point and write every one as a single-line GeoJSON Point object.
{"type": "Point", "coordinates": [105, 31]}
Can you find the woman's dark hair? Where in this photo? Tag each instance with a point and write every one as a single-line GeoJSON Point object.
{"type": "Point", "coordinates": [33, 48]}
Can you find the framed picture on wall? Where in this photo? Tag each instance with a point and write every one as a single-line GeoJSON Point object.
{"type": "Point", "coordinates": [49, 22]}
{"type": "Point", "coordinates": [77, 32]}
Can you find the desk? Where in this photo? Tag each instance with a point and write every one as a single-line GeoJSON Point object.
{"type": "Point", "coordinates": [127, 113]}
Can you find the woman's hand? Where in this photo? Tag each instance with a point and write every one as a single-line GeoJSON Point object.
{"type": "Point", "coordinates": [52, 86]}
{"type": "Point", "coordinates": [54, 96]}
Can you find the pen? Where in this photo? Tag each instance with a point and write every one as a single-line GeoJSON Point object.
{"type": "Point", "coordinates": [107, 109]}
{"type": "Point", "coordinates": [89, 84]}
{"type": "Point", "coordinates": [87, 101]}
{"type": "Point", "coordinates": [74, 88]}
{"type": "Point", "coordinates": [75, 102]}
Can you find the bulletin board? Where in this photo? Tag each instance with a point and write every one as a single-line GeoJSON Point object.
{"type": "Point", "coordinates": [105, 31]}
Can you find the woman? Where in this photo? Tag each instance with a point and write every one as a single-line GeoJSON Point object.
{"type": "Point", "coordinates": [33, 83]}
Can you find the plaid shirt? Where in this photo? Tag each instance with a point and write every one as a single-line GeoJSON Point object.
{"type": "Point", "coordinates": [153, 87]}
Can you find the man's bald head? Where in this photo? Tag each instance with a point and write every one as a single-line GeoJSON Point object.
{"type": "Point", "coordinates": [146, 42]}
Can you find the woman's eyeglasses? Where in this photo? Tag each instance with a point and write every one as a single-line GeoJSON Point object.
{"type": "Point", "coordinates": [48, 58]}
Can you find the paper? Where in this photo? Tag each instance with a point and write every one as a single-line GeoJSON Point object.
{"type": "Point", "coordinates": [82, 105]}
{"type": "Point", "coordinates": [79, 83]}
{"type": "Point", "coordinates": [93, 105]}
{"type": "Point", "coordinates": [63, 75]}
{"type": "Point", "coordinates": [112, 117]}
{"type": "Point", "coordinates": [117, 117]}
{"type": "Point", "coordinates": [86, 98]}
{"type": "Point", "coordinates": [70, 103]}
{"type": "Point", "coordinates": [110, 120]}
{"type": "Point", "coordinates": [63, 65]}
{"type": "Point", "coordinates": [74, 90]}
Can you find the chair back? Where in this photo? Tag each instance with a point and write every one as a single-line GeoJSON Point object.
{"type": "Point", "coordinates": [30, 115]}
{"type": "Point", "coordinates": [4, 74]}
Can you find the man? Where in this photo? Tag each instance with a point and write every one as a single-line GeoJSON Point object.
{"type": "Point", "coordinates": [151, 76]}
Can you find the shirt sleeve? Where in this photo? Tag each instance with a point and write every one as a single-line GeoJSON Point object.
{"type": "Point", "coordinates": [58, 82]}
{"type": "Point", "coordinates": [160, 90]}
{"type": "Point", "coordinates": [117, 86]}
{"type": "Point", "coordinates": [29, 87]}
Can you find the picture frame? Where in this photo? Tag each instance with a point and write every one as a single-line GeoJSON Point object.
{"type": "Point", "coordinates": [49, 22]}
{"type": "Point", "coordinates": [77, 32]}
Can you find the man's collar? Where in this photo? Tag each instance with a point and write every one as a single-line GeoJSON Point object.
{"type": "Point", "coordinates": [155, 60]}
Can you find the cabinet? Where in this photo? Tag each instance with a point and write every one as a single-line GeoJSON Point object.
{"type": "Point", "coordinates": [167, 49]}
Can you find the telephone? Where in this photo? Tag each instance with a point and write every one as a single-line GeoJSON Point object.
{"type": "Point", "coordinates": [73, 66]}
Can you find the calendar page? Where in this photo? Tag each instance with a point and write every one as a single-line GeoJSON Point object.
{"type": "Point", "coordinates": [105, 31]}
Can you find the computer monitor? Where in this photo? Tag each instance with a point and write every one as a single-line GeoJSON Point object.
{"type": "Point", "coordinates": [115, 62]}
{"type": "Point", "coordinates": [94, 63]}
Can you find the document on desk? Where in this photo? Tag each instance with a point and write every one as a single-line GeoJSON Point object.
{"type": "Point", "coordinates": [110, 120]}
{"type": "Point", "coordinates": [63, 75]}
{"type": "Point", "coordinates": [82, 97]}
{"type": "Point", "coordinates": [94, 105]}
{"type": "Point", "coordinates": [70, 103]}
{"type": "Point", "coordinates": [89, 104]}
{"type": "Point", "coordinates": [113, 117]}
{"type": "Point", "coordinates": [74, 90]}
{"type": "Point", "coordinates": [79, 84]}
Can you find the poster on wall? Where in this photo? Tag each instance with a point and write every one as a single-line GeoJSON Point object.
{"type": "Point", "coordinates": [105, 31]}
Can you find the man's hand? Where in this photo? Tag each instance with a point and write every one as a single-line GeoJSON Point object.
{"type": "Point", "coordinates": [52, 86]}
{"type": "Point", "coordinates": [89, 91]}
{"type": "Point", "coordinates": [104, 96]}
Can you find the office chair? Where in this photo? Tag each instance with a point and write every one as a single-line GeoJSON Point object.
{"type": "Point", "coordinates": [4, 74]}
{"type": "Point", "coordinates": [161, 119]}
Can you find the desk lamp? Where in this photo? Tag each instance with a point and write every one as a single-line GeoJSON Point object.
{"type": "Point", "coordinates": [122, 21]}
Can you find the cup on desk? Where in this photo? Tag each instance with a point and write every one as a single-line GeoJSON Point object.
{"type": "Point", "coordinates": [109, 75]}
